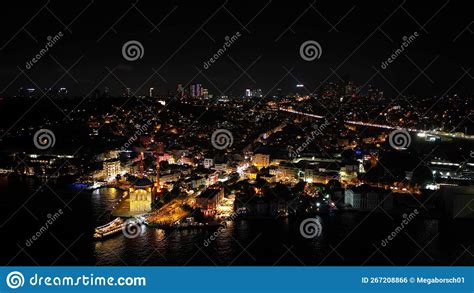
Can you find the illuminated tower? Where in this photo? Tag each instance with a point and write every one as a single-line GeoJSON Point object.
{"type": "Point", "coordinates": [142, 156]}
{"type": "Point", "coordinates": [160, 150]}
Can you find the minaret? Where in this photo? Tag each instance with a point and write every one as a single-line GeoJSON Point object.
{"type": "Point", "coordinates": [159, 151]}
{"type": "Point", "coordinates": [157, 180]}
{"type": "Point", "coordinates": [141, 165]}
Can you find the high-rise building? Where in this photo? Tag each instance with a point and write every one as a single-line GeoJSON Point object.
{"type": "Point", "coordinates": [198, 90]}
{"type": "Point", "coordinates": [257, 93]}
{"type": "Point", "coordinates": [195, 90]}
{"type": "Point", "coordinates": [204, 93]}
{"type": "Point", "coordinates": [248, 93]}
{"type": "Point", "coordinates": [152, 92]}
{"type": "Point", "coordinates": [180, 90]}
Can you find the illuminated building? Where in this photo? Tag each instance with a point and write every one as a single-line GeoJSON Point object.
{"type": "Point", "coordinates": [140, 196]}
{"type": "Point", "coordinates": [195, 90]}
{"type": "Point", "coordinates": [253, 93]}
{"type": "Point", "coordinates": [251, 173]}
{"type": "Point", "coordinates": [261, 160]}
{"type": "Point", "coordinates": [111, 168]}
{"type": "Point", "coordinates": [248, 93]}
{"type": "Point", "coordinates": [209, 200]}
{"type": "Point", "coordinates": [208, 163]}
{"type": "Point", "coordinates": [204, 93]}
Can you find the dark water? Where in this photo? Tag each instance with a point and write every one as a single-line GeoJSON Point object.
{"type": "Point", "coordinates": [347, 238]}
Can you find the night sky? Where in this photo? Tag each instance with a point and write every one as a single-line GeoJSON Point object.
{"type": "Point", "coordinates": [179, 36]}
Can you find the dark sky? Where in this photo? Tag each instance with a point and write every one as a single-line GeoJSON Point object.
{"type": "Point", "coordinates": [272, 32]}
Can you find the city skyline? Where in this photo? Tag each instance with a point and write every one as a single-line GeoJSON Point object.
{"type": "Point", "coordinates": [265, 55]}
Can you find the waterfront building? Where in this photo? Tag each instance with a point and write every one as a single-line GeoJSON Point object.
{"type": "Point", "coordinates": [368, 198]}
{"type": "Point", "coordinates": [111, 169]}
{"type": "Point", "coordinates": [141, 196]}
{"type": "Point", "coordinates": [209, 199]}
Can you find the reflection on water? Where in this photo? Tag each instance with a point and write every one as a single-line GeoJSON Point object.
{"type": "Point", "coordinates": [347, 238]}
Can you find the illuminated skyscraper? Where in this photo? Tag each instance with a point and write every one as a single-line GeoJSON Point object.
{"type": "Point", "coordinates": [254, 93]}
{"type": "Point", "coordinates": [195, 90]}
{"type": "Point", "coordinates": [248, 93]}
{"type": "Point", "coordinates": [204, 93]}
